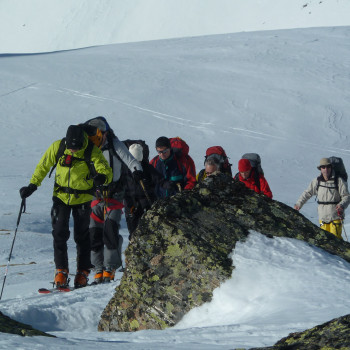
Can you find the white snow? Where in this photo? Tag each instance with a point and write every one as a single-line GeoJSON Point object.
{"type": "Point", "coordinates": [281, 93]}
{"type": "Point", "coordinates": [41, 25]}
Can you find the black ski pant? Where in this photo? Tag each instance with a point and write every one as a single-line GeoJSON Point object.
{"type": "Point", "coordinates": [60, 214]}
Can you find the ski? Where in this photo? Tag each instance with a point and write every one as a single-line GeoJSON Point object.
{"type": "Point", "coordinates": [55, 290]}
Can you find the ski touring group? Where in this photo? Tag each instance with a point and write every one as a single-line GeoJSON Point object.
{"type": "Point", "coordinates": [97, 176]}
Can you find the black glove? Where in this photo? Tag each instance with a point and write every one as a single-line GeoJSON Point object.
{"type": "Point", "coordinates": [26, 191]}
{"type": "Point", "coordinates": [99, 179]}
{"type": "Point", "coordinates": [170, 186]}
{"type": "Point", "coordinates": [138, 175]}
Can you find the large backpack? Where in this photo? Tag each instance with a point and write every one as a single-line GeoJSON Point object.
{"type": "Point", "coordinates": [144, 145]}
{"type": "Point", "coordinates": [219, 154]}
{"type": "Point", "coordinates": [339, 168]}
{"type": "Point", "coordinates": [179, 146]}
{"type": "Point", "coordinates": [87, 157]}
{"type": "Point", "coordinates": [255, 162]}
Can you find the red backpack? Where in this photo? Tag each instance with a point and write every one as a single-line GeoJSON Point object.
{"type": "Point", "coordinates": [179, 147]}
{"type": "Point", "coordinates": [219, 153]}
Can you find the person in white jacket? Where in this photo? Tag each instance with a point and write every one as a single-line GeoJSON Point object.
{"type": "Point", "coordinates": [333, 198]}
{"type": "Point", "coordinates": [106, 242]}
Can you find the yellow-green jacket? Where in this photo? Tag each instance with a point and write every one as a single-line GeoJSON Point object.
{"type": "Point", "coordinates": [77, 177]}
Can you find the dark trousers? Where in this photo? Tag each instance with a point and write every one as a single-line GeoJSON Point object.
{"type": "Point", "coordinates": [60, 214]}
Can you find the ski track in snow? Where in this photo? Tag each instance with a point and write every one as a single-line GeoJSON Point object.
{"type": "Point", "coordinates": [333, 121]}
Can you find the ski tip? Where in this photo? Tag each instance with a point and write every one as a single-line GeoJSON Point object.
{"type": "Point", "coordinates": [44, 291]}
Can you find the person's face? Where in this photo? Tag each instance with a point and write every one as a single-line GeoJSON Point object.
{"type": "Point", "coordinates": [209, 169]}
{"type": "Point", "coordinates": [73, 150]}
{"type": "Point", "coordinates": [326, 171]}
{"type": "Point", "coordinates": [164, 152]}
{"type": "Point", "coordinates": [245, 174]}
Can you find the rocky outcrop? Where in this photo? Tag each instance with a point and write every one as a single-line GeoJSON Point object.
{"type": "Point", "coordinates": [7, 325]}
{"type": "Point", "coordinates": [180, 252]}
{"type": "Point", "coordinates": [334, 334]}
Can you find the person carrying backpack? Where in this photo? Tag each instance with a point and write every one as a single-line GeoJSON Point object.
{"type": "Point", "coordinates": [211, 167]}
{"type": "Point", "coordinates": [252, 178]}
{"type": "Point", "coordinates": [106, 242]}
{"type": "Point", "coordinates": [215, 161]}
{"type": "Point", "coordinates": [75, 178]}
{"type": "Point", "coordinates": [333, 197]}
{"type": "Point", "coordinates": [178, 171]}
{"type": "Point", "coordinates": [139, 195]}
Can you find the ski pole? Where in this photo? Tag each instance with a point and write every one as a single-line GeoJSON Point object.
{"type": "Point", "coordinates": [343, 228]}
{"type": "Point", "coordinates": [144, 190]}
{"type": "Point", "coordinates": [341, 217]}
{"type": "Point", "coordinates": [22, 210]}
{"type": "Point", "coordinates": [344, 231]}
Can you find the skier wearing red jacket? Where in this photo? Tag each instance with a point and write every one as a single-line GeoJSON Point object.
{"type": "Point", "coordinates": [252, 179]}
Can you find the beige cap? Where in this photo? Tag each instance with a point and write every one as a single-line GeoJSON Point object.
{"type": "Point", "coordinates": [137, 151]}
{"type": "Point", "coordinates": [324, 161]}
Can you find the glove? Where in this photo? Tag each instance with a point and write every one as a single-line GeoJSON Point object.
{"type": "Point", "coordinates": [99, 179]}
{"type": "Point", "coordinates": [138, 175]}
{"type": "Point", "coordinates": [170, 186]}
{"type": "Point", "coordinates": [340, 211]}
{"type": "Point", "coordinates": [26, 191]}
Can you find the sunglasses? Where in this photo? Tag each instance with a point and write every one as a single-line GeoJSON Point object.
{"type": "Point", "coordinates": [164, 151]}
{"type": "Point", "coordinates": [325, 166]}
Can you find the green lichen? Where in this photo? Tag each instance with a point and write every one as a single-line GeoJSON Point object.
{"type": "Point", "coordinates": [204, 192]}
{"type": "Point", "coordinates": [134, 325]}
{"type": "Point", "coordinates": [154, 278]}
{"type": "Point", "coordinates": [174, 251]}
{"type": "Point", "coordinates": [169, 307]}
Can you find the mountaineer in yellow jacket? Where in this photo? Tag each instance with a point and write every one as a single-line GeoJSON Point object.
{"type": "Point", "coordinates": [80, 167]}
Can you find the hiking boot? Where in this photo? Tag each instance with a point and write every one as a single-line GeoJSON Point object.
{"type": "Point", "coordinates": [98, 278]}
{"type": "Point", "coordinates": [108, 276]}
{"type": "Point", "coordinates": [61, 278]}
{"type": "Point", "coordinates": [81, 278]}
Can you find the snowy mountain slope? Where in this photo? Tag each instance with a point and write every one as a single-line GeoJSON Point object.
{"type": "Point", "coordinates": [41, 26]}
{"type": "Point", "coordinates": [284, 94]}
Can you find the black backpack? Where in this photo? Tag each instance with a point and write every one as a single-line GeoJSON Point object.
{"type": "Point", "coordinates": [255, 162]}
{"type": "Point", "coordinates": [87, 157]}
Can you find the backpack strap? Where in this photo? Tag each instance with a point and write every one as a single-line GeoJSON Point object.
{"type": "Point", "coordinates": [87, 158]}
{"type": "Point", "coordinates": [59, 154]}
{"type": "Point", "coordinates": [336, 183]}
{"type": "Point", "coordinates": [70, 190]}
